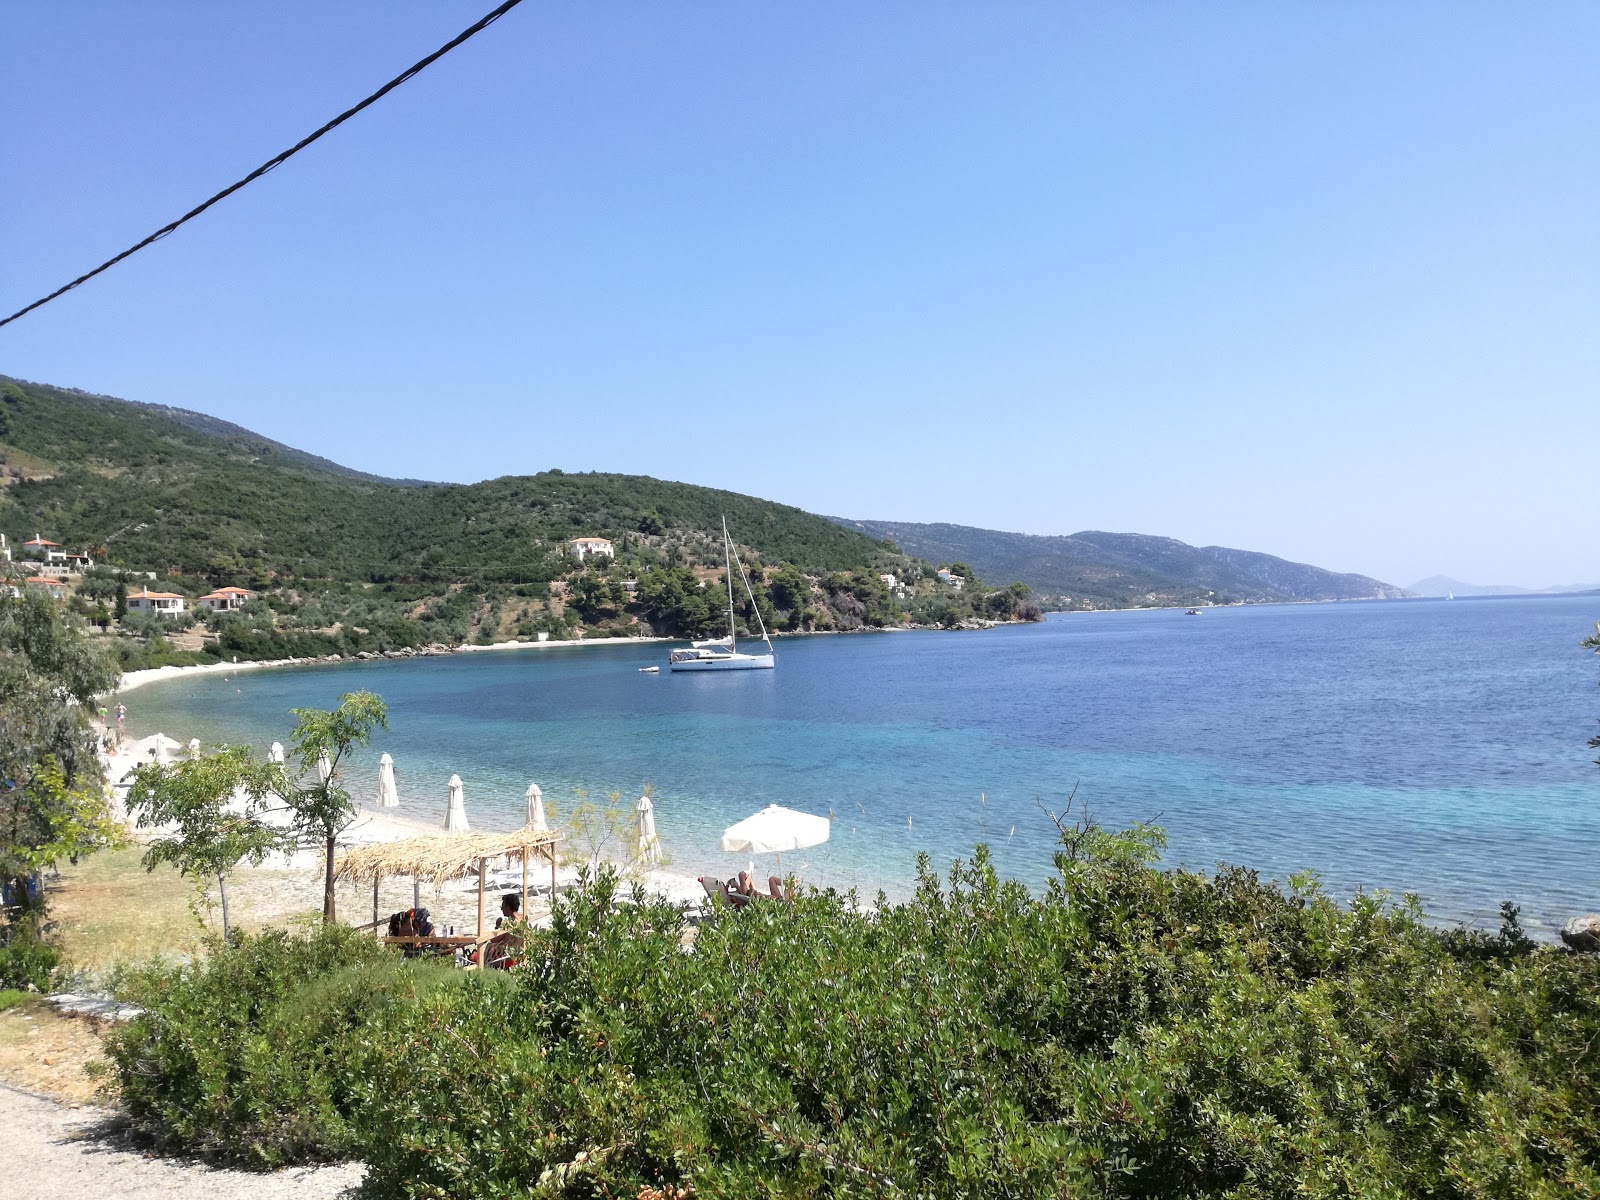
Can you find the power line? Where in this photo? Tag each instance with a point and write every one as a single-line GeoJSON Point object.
{"type": "Point", "coordinates": [408, 73]}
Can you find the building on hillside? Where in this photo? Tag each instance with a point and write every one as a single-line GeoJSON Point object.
{"type": "Point", "coordinates": [952, 579]}
{"type": "Point", "coordinates": [54, 586]}
{"type": "Point", "coordinates": [160, 604]}
{"type": "Point", "coordinates": [39, 547]}
{"type": "Point", "coordinates": [586, 547]}
{"type": "Point", "coordinates": [227, 599]}
{"type": "Point", "coordinates": [72, 560]}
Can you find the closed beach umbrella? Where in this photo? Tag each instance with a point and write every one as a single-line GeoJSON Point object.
{"type": "Point", "coordinates": [774, 830]}
{"type": "Point", "coordinates": [455, 818]}
{"type": "Point", "coordinates": [536, 821]}
{"type": "Point", "coordinates": [649, 843]}
{"type": "Point", "coordinates": [324, 767]}
{"type": "Point", "coordinates": [158, 747]}
{"type": "Point", "coordinates": [388, 795]}
{"type": "Point", "coordinates": [194, 747]}
{"type": "Point", "coordinates": [275, 753]}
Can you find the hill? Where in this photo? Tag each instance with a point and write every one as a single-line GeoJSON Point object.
{"type": "Point", "coordinates": [164, 487]}
{"type": "Point", "coordinates": [344, 562]}
{"type": "Point", "coordinates": [1117, 570]}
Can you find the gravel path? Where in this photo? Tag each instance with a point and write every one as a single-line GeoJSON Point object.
{"type": "Point", "coordinates": [52, 1152]}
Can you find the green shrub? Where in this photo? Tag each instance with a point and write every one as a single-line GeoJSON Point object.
{"type": "Point", "coordinates": [11, 998]}
{"type": "Point", "coordinates": [248, 1053]}
{"type": "Point", "coordinates": [26, 960]}
{"type": "Point", "coordinates": [1131, 1032]}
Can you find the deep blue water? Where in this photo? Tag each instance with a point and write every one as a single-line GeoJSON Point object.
{"type": "Point", "coordinates": [1429, 746]}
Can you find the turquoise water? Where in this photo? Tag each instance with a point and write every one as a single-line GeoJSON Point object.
{"type": "Point", "coordinates": [1428, 746]}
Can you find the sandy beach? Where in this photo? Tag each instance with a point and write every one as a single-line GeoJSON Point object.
{"type": "Point", "coordinates": [137, 679]}
{"type": "Point", "coordinates": [289, 885]}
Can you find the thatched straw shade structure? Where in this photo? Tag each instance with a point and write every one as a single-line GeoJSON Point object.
{"type": "Point", "coordinates": [437, 858]}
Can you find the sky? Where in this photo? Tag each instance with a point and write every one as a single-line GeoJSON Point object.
{"type": "Point", "coordinates": [1317, 280]}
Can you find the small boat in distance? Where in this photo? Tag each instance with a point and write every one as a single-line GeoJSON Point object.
{"type": "Point", "coordinates": [1191, 612]}
{"type": "Point", "coordinates": [648, 670]}
{"type": "Point", "coordinates": [722, 654]}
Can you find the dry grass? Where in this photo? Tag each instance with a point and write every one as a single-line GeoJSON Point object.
{"type": "Point", "coordinates": [43, 1051]}
{"type": "Point", "coordinates": [108, 908]}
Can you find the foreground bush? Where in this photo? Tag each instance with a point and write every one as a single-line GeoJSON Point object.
{"type": "Point", "coordinates": [27, 961]}
{"type": "Point", "coordinates": [248, 1053]}
{"type": "Point", "coordinates": [1131, 1033]}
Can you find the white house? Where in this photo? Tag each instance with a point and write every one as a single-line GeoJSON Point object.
{"type": "Point", "coordinates": [952, 579]}
{"type": "Point", "coordinates": [889, 581]}
{"type": "Point", "coordinates": [161, 604]}
{"type": "Point", "coordinates": [39, 547]}
{"type": "Point", "coordinates": [584, 547]}
{"type": "Point", "coordinates": [226, 599]}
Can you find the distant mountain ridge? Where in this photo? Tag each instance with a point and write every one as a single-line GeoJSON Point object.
{"type": "Point", "coordinates": [1443, 585]}
{"type": "Point", "coordinates": [1095, 569]}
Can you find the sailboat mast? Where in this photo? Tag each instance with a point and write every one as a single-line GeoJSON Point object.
{"type": "Point", "coordinates": [727, 573]}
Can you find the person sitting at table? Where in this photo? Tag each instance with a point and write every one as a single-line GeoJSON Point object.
{"type": "Point", "coordinates": [413, 922]}
{"type": "Point", "coordinates": [502, 952]}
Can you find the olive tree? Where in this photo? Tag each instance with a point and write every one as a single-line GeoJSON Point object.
{"type": "Point", "coordinates": [322, 810]}
{"type": "Point", "coordinates": [52, 804]}
{"type": "Point", "coordinates": [211, 805]}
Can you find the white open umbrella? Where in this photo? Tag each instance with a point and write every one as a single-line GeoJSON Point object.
{"type": "Point", "coordinates": [536, 819]}
{"type": "Point", "coordinates": [773, 830]}
{"type": "Point", "coordinates": [388, 795]}
{"type": "Point", "coordinates": [324, 767]}
{"type": "Point", "coordinates": [455, 819]}
{"type": "Point", "coordinates": [649, 843]}
{"type": "Point", "coordinates": [275, 753]}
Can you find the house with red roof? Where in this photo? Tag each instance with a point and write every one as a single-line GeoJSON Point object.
{"type": "Point", "coordinates": [226, 599]}
{"type": "Point", "coordinates": [160, 604]}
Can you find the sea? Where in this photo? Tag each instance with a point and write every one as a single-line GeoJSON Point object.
{"type": "Point", "coordinates": [1430, 747]}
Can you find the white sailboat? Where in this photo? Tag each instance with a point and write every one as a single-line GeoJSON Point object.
{"type": "Point", "coordinates": [722, 654]}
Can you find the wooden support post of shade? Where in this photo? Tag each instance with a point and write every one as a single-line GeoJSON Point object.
{"type": "Point", "coordinates": [483, 869]}
{"type": "Point", "coordinates": [524, 885]}
{"type": "Point", "coordinates": [374, 900]}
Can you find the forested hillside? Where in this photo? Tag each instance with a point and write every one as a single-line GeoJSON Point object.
{"type": "Point", "coordinates": [345, 562]}
{"type": "Point", "coordinates": [204, 496]}
{"type": "Point", "coordinates": [1117, 570]}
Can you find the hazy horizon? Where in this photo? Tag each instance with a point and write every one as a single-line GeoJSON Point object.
{"type": "Point", "coordinates": [1322, 283]}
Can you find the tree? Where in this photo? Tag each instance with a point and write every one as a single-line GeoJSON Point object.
{"type": "Point", "coordinates": [323, 810]}
{"type": "Point", "coordinates": [52, 803]}
{"type": "Point", "coordinates": [195, 796]}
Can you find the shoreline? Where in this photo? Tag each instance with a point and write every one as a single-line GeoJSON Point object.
{"type": "Point", "coordinates": [132, 680]}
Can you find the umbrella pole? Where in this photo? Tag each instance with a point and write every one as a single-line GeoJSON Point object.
{"type": "Point", "coordinates": [416, 893]}
{"type": "Point", "coordinates": [524, 885]}
{"type": "Point", "coordinates": [374, 900]}
{"type": "Point", "coordinates": [552, 851]}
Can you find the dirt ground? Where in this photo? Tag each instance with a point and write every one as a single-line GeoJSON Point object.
{"type": "Point", "coordinates": [42, 1051]}
{"type": "Point", "coordinates": [53, 1151]}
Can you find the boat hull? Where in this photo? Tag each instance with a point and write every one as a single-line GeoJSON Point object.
{"type": "Point", "coordinates": [740, 662]}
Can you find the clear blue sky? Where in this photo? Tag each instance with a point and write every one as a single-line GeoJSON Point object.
{"type": "Point", "coordinates": [1319, 280]}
